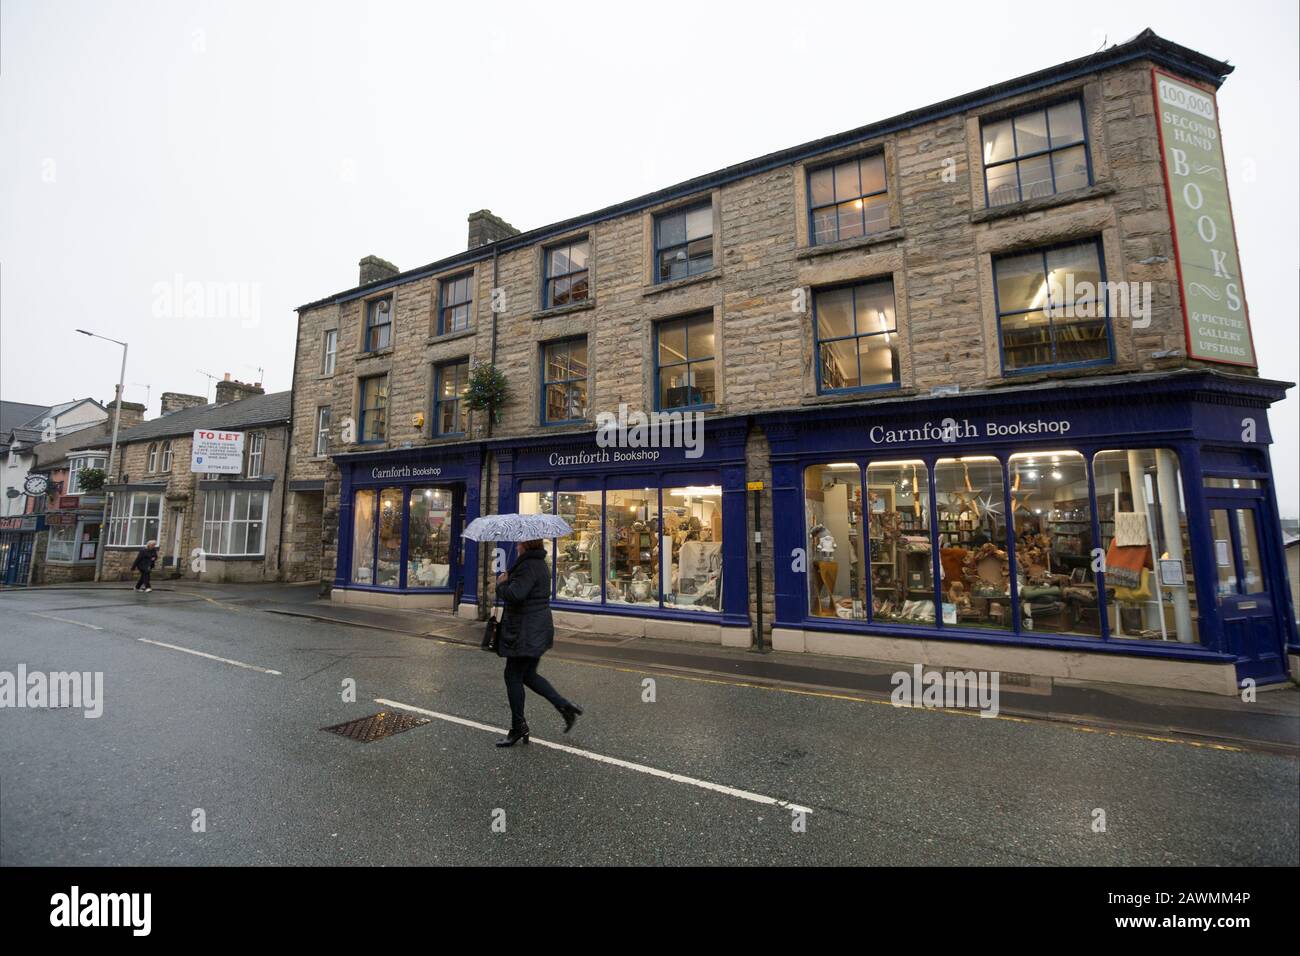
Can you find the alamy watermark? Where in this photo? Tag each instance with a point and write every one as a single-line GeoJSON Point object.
{"type": "Point", "coordinates": [1093, 300]}
{"type": "Point", "coordinates": [960, 690]}
{"type": "Point", "coordinates": [211, 301]}
{"type": "Point", "coordinates": [83, 690]}
{"type": "Point", "coordinates": [642, 430]}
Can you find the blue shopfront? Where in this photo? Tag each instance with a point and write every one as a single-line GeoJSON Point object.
{"type": "Point", "coordinates": [401, 512]}
{"type": "Point", "coordinates": [658, 546]}
{"type": "Point", "coordinates": [17, 540]}
{"type": "Point", "coordinates": [1121, 528]}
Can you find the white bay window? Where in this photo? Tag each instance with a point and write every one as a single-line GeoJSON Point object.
{"type": "Point", "coordinates": [234, 523]}
{"type": "Point", "coordinates": [135, 519]}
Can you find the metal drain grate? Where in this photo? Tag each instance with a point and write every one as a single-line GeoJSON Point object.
{"type": "Point", "coordinates": [377, 726]}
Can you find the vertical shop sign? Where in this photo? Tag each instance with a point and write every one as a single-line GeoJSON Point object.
{"type": "Point", "coordinates": [1205, 240]}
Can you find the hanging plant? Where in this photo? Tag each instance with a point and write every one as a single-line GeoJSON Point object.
{"type": "Point", "coordinates": [91, 480]}
{"type": "Point", "coordinates": [487, 390]}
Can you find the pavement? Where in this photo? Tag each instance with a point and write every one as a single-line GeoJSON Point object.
{"type": "Point", "coordinates": [216, 696]}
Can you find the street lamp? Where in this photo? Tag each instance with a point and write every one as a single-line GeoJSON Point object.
{"type": "Point", "coordinates": [112, 452]}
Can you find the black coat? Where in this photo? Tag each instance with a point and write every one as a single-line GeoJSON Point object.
{"type": "Point", "coordinates": [526, 628]}
{"type": "Point", "coordinates": [145, 560]}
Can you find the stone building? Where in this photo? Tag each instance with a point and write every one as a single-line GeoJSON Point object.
{"type": "Point", "coordinates": [956, 354]}
{"type": "Point", "coordinates": [68, 547]}
{"type": "Point", "coordinates": [213, 527]}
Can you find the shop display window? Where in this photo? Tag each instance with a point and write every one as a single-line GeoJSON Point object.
{"type": "Point", "coordinates": [428, 549]}
{"type": "Point", "coordinates": [898, 543]}
{"type": "Point", "coordinates": [539, 503]}
{"type": "Point", "coordinates": [971, 525]}
{"type": "Point", "coordinates": [632, 547]}
{"type": "Point", "coordinates": [1150, 590]}
{"type": "Point", "coordinates": [692, 532]}
{"type": "Point", "coordinates": [578, 556]}
{"type": "Point", "coordinates": [836, 559]}
{"type": "Point", "coordinates": [363, 538]}
{"type": "Point", "coordinates": [388, 566]}
{"type": "Point", "coordinates": [624, 552]}
{"type": "Point", "coordinates": [1052, 514]}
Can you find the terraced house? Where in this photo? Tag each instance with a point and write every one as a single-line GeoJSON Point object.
{"type": "Point", "coordinates": [987, 365]}
{"type": "Point", "coordinates": [213, 527]}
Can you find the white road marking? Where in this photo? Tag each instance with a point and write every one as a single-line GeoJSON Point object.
{"type": "Point", "coordinates": [615, 761]}
{"type": "Point", "coordinates": [65, 620]}
{"type": "Point", "coordinates": [212, 657]}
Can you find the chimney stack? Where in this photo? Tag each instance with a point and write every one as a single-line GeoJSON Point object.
{"type": "Point", "coordinates": [233, 390]}
{"type": "Point", "coordinates": [175, 401]}
{"type": "Point", "coordinates": [132, 414]}
{"type": "Point", "coordinates": [485, 228]}
{"type": "Point", "coordinates": [374, 269]}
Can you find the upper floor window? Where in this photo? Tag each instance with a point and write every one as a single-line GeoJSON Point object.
{"type": "Point", "coordinates": [165, 464]}
{"type": "Point", "coordinates": [848, 199]}
{"type": "Point", "coordinates": [373, 419]}
{"type": "Point", "coordinates": [450, 415]}
{"type": "Point", "coordinates": [379, 324]}
{"type": "Point", "coordinates": [1052, 307]}
{"type": "Point", "coordinates": [857, 337]}
{"type": "Point", "coordinates": [329, 355]}
{"type": "Point", "coordinates": [684, 243]}
{"type": "Point", "coordinates": [456, 301]}
{"type": "Point", "coordinates": [685, 350]}
{"type": "Point", "coordinates": [1037, 153]}
{"type": "Point", "coordinates": [256, 453]}
{"type": "Point", "coordinates": [567, 279]}
{"type": "Point", "coordinates": [78, 465]}
{"type": "Point", "coordinates": [151, 462]}
{"type": "Point", "coordinates": [564, 381]}
{"type": "Point", "coordinates": [321, 446]}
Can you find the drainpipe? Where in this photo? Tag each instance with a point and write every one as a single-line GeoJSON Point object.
{"type": "Point", "coordinates": [288, 456]}
{"type": "Point", "coordinates": [486, 484]}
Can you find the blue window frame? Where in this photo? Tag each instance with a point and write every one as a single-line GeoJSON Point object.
{"type": "Point", "coordinates": [564, 381]}
{"type": "Point", "coordinates": [566, 274]}
{"type": "Point", "coordinates": [450, 414]}
{"type": "Point", "coordinates": [856, 335]}
{"type": "Point", "coordinates": [848, 199]}
{"type": "Point", "coordinates": [1053, 310]}
{"type": "Point", "coordinates": [684, 243]}
{"type": "Point", "coordinates": [685, 370]}
{"type": "Point", "coordinates": [373, 424]}
{"type": "Point", "coordinates": [1039, 152]}
{"type": "Point", "coordinates": [455, 303]}
{"type": "Point", "coordinates": [379, 324]}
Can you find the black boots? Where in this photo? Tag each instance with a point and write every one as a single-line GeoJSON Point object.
{"type": "Point", "coordinates": [517, 733]}
{"type": "Point", "coordinates": [570, 713]}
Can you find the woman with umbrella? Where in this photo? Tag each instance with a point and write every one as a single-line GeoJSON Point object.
{"type": "Point", "coordinates": [527, 631]}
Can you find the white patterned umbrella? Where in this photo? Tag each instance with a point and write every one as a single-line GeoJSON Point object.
{"type": "Point", "coordinates": [516, 528]}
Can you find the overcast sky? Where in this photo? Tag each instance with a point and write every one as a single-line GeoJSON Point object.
{"type": "Point", "coordinates": [266, 146]}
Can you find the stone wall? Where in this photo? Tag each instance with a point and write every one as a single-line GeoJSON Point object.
{"type": "Point", "coordinates": [183, 500]}
{"type": "Point", "coordinates": [938, 250]}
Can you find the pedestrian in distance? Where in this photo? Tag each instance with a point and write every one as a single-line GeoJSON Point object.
{"type": "Point", "coordinates": [145, 559]}
{"type": "Point", "coordinates": [527, 632]}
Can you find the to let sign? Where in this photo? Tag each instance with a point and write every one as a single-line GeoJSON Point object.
{"type": "Point", "coordinates": [1205, 241]}
{"type": "Point", "coordinates": [217, 452]}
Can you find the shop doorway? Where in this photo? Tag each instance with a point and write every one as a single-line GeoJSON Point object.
{"type": "Point", "coordinates": [178, 519]}
{"type": "Point", "coordinates": [16, 557]}
{"type": "Point", "coordinates": [1244, 586]}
